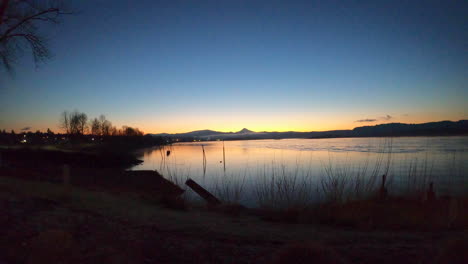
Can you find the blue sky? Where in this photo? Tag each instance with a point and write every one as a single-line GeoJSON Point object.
{"type": "Point", "coordinates": [173, 66]}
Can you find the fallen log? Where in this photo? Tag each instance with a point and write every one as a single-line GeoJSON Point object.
{"type": "Point", "coordinates": [209, 198]}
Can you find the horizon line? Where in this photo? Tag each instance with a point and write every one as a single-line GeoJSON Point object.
{"type": "Point", "coordinates": [305, 131]}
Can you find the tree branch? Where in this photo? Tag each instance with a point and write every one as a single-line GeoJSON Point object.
{"type": "Point", "coordinates": [19, 20]}
{"type": "Point", "coordinates": [26, 19]}
{"type": "Point", "coordinates": [14, 35]}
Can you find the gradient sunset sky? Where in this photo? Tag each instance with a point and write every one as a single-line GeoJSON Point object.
{"type": "Point", "coordinates": [178, 66]}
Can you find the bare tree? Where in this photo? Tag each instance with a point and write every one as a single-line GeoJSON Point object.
{"type": "Point", "coordinates": [106, 125]}
{"type": "Point", "coordinates": [95, 127]}
{"type": "Point", "coordinates": [100, 126]}
{"type": "Point", "coordinates": [65, 122]}
{"type": "Point", "coordinates": [74, 123]}
{"type": "Point", "coordinates": [81, 122]}
{"type": "Point", "coordinates": [19, 28]}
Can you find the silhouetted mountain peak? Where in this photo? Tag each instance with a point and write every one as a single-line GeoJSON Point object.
{"type": "Point", "coordinates": [441, 128]}
{"type": "Point", "coordinates": [205, 132]}
{"type": "Point", "coordinates": [244, 131]}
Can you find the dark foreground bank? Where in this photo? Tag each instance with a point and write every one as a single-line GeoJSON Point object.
{"type": "Point", "coordinates": [51, 223]}
{"type": "Point", "coordinates": [92, 212]}
{"type": "Point", "coordinates": [108, 215]}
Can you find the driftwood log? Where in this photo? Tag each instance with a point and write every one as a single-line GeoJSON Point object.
{"type": "Point", "coordinates": [209, 198]}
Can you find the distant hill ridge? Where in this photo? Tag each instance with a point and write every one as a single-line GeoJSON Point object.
{"type": "Point", "coordinates": [442, 128]}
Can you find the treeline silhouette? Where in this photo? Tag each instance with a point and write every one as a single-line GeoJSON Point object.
{"type": "Point", "coordinates": [76, 123]}
{"type": "Point", "coordinates": [127, 139]}
{"type": "Point", "coordinates": [78, 129]}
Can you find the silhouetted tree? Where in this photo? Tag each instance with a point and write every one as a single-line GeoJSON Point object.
{"type": "Point", "coordinates": [79, 121]}
{"type": "Point", "coordinates": [100, 126]}
{"type": "Point", "coordinates": [49, 132]}
{"type": "Point", "coordinates": [130, 131]}
{"type": "Point", "coordinates": [65, 122]}
{"type": "Point", "coordinates": [74, 123]}
{"type": "Point", "coordinates": [95, 127]}
{"type": "Point", "coordinates": [19, 28]}
{"type": "Point", "coordinates": [114, 131]}
{"type": "Point", "coordinates": [106, 125]}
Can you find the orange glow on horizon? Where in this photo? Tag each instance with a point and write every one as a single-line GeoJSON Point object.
{"type": "Point", "coordinates": [284, 123]}
{"type": "Point", "coordinates": [284, 128]}
{"type": "Point", "coordinates": [275, 123]}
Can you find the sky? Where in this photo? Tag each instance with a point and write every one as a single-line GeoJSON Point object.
{"type": "Point", "coordinates": [177, 66]}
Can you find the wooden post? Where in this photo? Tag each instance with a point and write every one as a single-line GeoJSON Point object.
{"type": "Point", "coordinates": [224, 157]}
{"type": "Point", "coordinates": [211, 199]}
{"type": "Point", "coordinates": [383, 190]}
{"type": "Point", "coordinates": [204, 161]}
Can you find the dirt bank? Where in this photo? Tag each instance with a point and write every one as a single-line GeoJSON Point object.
{"type": "Point", "coordinates": [100, 227]}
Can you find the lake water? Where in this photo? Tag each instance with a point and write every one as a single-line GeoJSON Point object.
{"type": "Point", "coordinates": [409, 162]}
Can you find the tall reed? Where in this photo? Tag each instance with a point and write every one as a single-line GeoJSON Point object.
{"type": "Point", "coordinates": [343, 182]}
{"type": "Point", "coordinates": [204, 160]}
{"type": "Point", "coordinates": [230, 188]}
{"type": "Point", "coordinates": [281, 187]}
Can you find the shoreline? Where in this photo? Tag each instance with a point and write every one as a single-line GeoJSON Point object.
{"type": "Point", "coordinates": [389, 212]}
{"type": "Point", "coordinates": [140, 217]}
{"type": "Point", "coordinates": [400, 136]}
{"type": "Point", "coordinates": [40, 156]}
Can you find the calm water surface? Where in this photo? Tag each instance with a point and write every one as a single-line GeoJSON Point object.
{"type": "Point", "coordinates": [406, 160]}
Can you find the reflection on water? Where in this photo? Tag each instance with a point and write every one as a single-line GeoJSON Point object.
{"type": "Point", "coordinates": [407, 160]}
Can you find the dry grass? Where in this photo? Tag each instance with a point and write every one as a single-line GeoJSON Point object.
{"type": "Point", "coordinates": [229, 188]}
{"type": "Point", "coordinates": [342, 182]}
{"type": "Point", "coordinates": [370, 214]}
{"type": "Point", "coordinates": [282, 188]}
